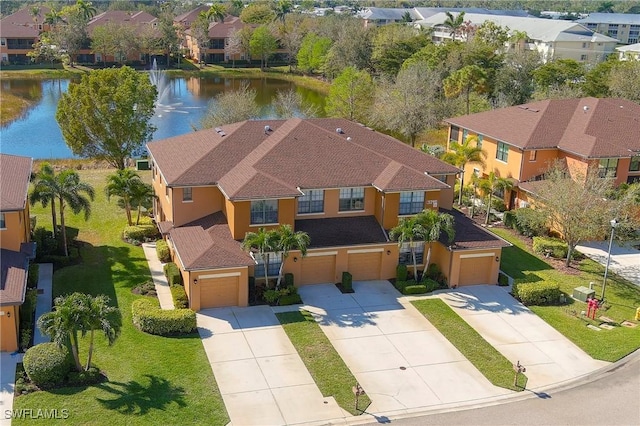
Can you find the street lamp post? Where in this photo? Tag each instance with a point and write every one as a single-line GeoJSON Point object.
{"type": "Point", "coordinates": [614, 223]}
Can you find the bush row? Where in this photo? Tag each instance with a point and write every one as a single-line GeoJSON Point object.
{"type": "Point", "coordinates": [527, 221]}
{"type": "Point", "coordinates": [149, 318]}
{"type": "Point", "coordinates": [537, 293]}
{"type": "Point", "coordinates": [180, 300]}
{"type": "Point", "coordinates": [162, 250]}
{"type": "Point", "coordinates": [172, 272]}
{"type": "Point", "coordinates": [140, 232]}
{"type": "Point", "coordinates": [552, 246]}
{"type": "Point", "coordinates": [34, 274]}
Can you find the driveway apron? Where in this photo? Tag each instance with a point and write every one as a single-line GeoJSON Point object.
{"type": "Point", "coordinates": [261, 377]}
{"type": "Point", "coordinates": [520, 335]}
{"type": "Point", "coordinates": [402, 362]}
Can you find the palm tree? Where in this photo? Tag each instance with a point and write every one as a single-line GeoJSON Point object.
{"type": "Point", "coordinates": [454, 23]}
{"type": "Point", "coordinates": [101, 316]}
{"type": "Point", "coordinates": [121, 184]}
{"type": "Point", "coordinates": [216, 13]}
{"type": "Point", "coordinates": [35, 13]}
{"type": "Point", "coordinates": [141, 196]}
{"type": "Point", "coordinates": [288, 240]}
{"type": "Point", "coordinates": [86, 9]}
{"type": "Point", "coordinates": [53, 18]}
{"type": "Point", "coordinates": [264, 242]}
{"type": "Point", "coordinates": [408, 230]}
{"type": "Point", "coordinates": [45, 191]}
{"type": "Point", "coordinates": [70, 191]}
{"type": "Point", "coordinates": [491, 184]}
{"type": "Point", "coordinates": [434, 224]}
{"type": "Point", "coordinates": [461, 154]}
{"type": "Point", "coordinates": [282, 8]}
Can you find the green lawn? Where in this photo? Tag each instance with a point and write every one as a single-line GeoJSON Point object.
{"type": "Point", "coordinates": [623, 298]}
{"type": "Point", "coordinates": [152, 379]}
{"type": "Point", "coordinates": [491, 363]}
{"type": "Point", "coordinates": [323, 362]}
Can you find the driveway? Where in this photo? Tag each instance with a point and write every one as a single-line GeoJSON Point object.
{"type": "Point", "coordinates": [625, 260]}
{"type": "Point", "coordinates": [401, 361]}
{"type": "Point", "coordinates": [259, 373]}
{"type": "Point", "coordinates": [520, 335]}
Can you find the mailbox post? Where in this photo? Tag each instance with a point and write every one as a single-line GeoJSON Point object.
{"type": "Point", "coordinates": [357, 391]}
{"type": "Point", "coordinates": [518, 368]}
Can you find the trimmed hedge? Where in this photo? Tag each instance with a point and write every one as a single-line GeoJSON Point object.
{"type": "Point", "coordinates": [347, 281]}
{"type": "Point", "coordinates": [149, 318]}
{"type": "Point", "coordinates": [180, 300]}
{"type": "Point", "coordinates": [553, 246]}
{"type": "Point", "coordinates": [401, 272]}
{"type": "Point", "coordinates": [47, 364]}
{"type": "Point", "coordinates": [288, 279]}
{"type": "Point", "coordinates": [537, 293]}
{"type": "Point", "coordinates": [162, 250]}
{"type": "Point", "coordinates": [430, 285]}
{"type": "Point", "coordinates": [85, 378]}
{"type": "Point", "coordinates": [509, 219]}
{"type": "Point", "coordinates": [140, 232]}
{"type": "Point", "coordinates": [415, 289]}
{"type": "Point", "coordinates": [401, 285]}
{"type": "Point", "coordinates": [34, 273]}
{"type": "Point", "coordinates": [172, 272]}
{"type": "Point", "coordinates": [530, 222]}
{"type": "Point", "coordinates": [289, 299]}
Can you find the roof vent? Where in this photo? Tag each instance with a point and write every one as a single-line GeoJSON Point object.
{"type": "Point", "coordinates": [348, 138]}
{"type": "Point", "coordinates": [339, 130]}
{"type": "Point", "coordinates": [220, 131]}
{"type": "Point", "coordinates": [585, 108]}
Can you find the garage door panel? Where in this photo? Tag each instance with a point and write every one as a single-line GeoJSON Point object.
{"type": "Point", "coordinates": [218, 292]}
{"type": "Point", "coordinates": [365, 266]}
{"type": "Point", "coordinates": [318, 269]}
{"type": "Point", "coordinates": [475, 270]}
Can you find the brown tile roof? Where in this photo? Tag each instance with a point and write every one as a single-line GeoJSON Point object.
{"type": "Point", "coordinates": [471, 236]}
{"type": "Point", "coordinates": [23, 17]}
{"type": "Point", "coordinates": [588, 127]}
{"type": "Point", "coordinates": [13, 277]}
{"type": "Point", "coordinates": [222, 29]}
{"type": "Point", "coordinates": [14, 30]}
{"type": "Point", "coordinates": [15, 172]}
{"type": "Point", "coordinates": [137, 19]}
{"type": "Point", "coordinates": [207, 243]}
{"type": "Point", "coordinates": [249, 162]}
{"type": "Point", "coordinates": [190, 16]}
{"type": "Point", "coordinates": [342, 231]}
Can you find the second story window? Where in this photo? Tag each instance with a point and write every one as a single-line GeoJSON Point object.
{"type": "Point", "coordinates": [532, 155]}
{"type": "Point", "coordinates": [608, 167]}
{"type": "Point", "coordinates": [634, 165]}
{"type": "Point", "coordinates": [264, 212]}
{"type": "Point", "coordinates": [351, 199]}
{"type": "Point", "coordinates": [455, 134]}
{"type": "Point", "coordinates": [411, 202]}
{"type": "Point", "coordinates": [479, 140]}
{"type": "Point", "coordinates": [187, 194]}
{"type": "Point", "coordinates": [3, 223]}
{"type": "Point", "coordinates": [311, 202]}
{"type": "Point", "coordinates": [502, 153]}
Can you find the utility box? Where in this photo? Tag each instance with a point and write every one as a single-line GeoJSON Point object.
{"type": "Point", "coordinates": [142, 165]}
{"type": "Point", "coordinates": [583, 293]}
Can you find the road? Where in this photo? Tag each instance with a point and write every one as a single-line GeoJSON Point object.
{"type": "Point", "coordinates": [613, 398]}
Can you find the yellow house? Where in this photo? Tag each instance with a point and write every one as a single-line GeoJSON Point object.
{"type": "Point", "coordinates": [16, 250]}
{"type": "Point", "coordinates": [521, 141]}
{"type": "Point", "coordinates": [344, 184]}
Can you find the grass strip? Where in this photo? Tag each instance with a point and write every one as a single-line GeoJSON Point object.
{"type": "Point", "coordinates": [328, 370]}
{"type": "Point", "coordinates": [495, 367]}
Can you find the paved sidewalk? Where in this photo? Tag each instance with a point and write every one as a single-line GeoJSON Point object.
{"type": "Point", "coordinates": [261, 377]}
{"type": "Point", "coordinates": [157, 274]}
{"type": "Point", "coordinates": [625, 260]}
{"type": "Point", "coordinates": [45, 299]}
{"type": "Point", "coordinates": [520, 335]}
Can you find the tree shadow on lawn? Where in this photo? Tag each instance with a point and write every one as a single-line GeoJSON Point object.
{"type": "Point", "coordinates": [137, 398]}
{"type": "Point", "coordinates": [518, 261]}
{"type": "Point", "coordinates": [127, 269]}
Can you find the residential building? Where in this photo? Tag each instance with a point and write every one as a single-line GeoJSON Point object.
{"type": "Point", "coordinates": [19, 32]}
{"type": "Point", "coordinates": [629, 53]}
{"type": "Point", "coordinates": [521, 141]}
{"type": "Point", "coordinates": [15, 246]}
{"type": "Point", "coordinates": [344, 184]}
{"type": "Point", "coordinates": [378, 16]}
{"type": "Point", "coordinates": [217, 49]}
{"type": "Point", "coordinates": [553, 39]}
{"type": "Point", "coordinates": [622, 26]}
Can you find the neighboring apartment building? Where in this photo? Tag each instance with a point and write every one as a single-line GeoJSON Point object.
{"type": "Point", "coordinates": [342, 183]}
{"type": "Point", "coordinates": [553, 39]}
{"type": "Point", "coordinates": [622, 26]}
{"type": "Point", "coordinates": [378, 16]}
{"type": "Point", "coordinates": [217, 49]}
{"type": "Point", "coordinates": [521, 141]}
{"type": "Point", "coordinates": [15, 246]}
{"type": "Point", "coordinates": [630, 52]}
{"type": "Point", "coordinates": [19, 32]}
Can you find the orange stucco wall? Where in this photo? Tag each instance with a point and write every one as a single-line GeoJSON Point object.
{"type": "Point", "coordinates": [9, 320]}
{"type": "Point", "coordinates": [391, 209]}
{"type": "Point", "coordinates": [163, 200]}
{"type": "Point", "coordinates": [543, 159]}
{"type": "Point", "coordinates": [446, 195]}
{"type": "Point", "coordinates": [205, 201]}
{"type": "Point", "coordinates": [239, 216]}
{"type": "Point", "coordinates": [332, 204]}
{"type": "Point", "coordinates": [16, 229]}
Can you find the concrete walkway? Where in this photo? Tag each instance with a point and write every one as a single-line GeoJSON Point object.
{"type": "Point", "coordinates": [520, 335]}
{"type": "Point", "coordinates": [157, 274]}
{"type": "Point", "coordinates": [403, 363]}
{"type": "Point", "coordinates": [45, 299]}
{"type": "Point", "coordinates": [625, 260]}
{"type": "Point", "coordinates": [261, 377]}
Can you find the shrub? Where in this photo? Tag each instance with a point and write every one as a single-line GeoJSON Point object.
{"type": "Point", "coordinates": [140, 232]}
{"type": "Point", "coordinates": [288, 279]}
{"type": "Point", "coordinates": [498, 205]}
{"type": "Point", "coordinates": [47, 364]}
{"type": "Point", "coordinates": [149, 318]}
{"type": "Point", "coordinates": [271, 296]}
{"type": "Point", "coordinates": [415, 289]}
{"type": "Point", "coordinates": [347, 281]}
{"type": "Point", "coordinates": [172, 272]}
{"type": "Point", "coordinates": [146, 220]}
{"type": "Point", "coordinates": [503, 279]}
{"type": "Point", "coordinates": [34, 273]}
{"type": "Point", "coordinates": [180, 300]}
{"type": "Point", "coordinates": [401, 272]}
{"type": "Point", "coordinates": [84, 378]}
{"type": "Point", "coordinates": [550, 246]}
{"type": "Point", "coordinates": [530, 222]}
{"type": "Point", "coordinates": [509, 219]}
{"type": "Point", "coordinates": [162, 250]}
{"type": "Point", "coordinates": [430, 285]}
{"type": "Point", "coordinates": [401, 285]}
{"type": "Point", "coordinates": [45, 242]}
{"type": "Point", "coordinates": [538, 293]}
{"type": "Point", "coordinates": [289, 299]}
{"type": "Point", "coordinates": [147, 288]}
{"type": "Point", "coordinates": [27, 310]}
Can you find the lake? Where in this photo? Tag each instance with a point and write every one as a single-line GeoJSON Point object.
{"type": "Point", "coordinates": [36, 134]}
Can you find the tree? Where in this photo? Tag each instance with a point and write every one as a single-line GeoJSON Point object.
{"type": "Point", "coordinates": [558, 73]}
{"type": "Point", "coordinates": [514, 83]}
{"type": "Point", "coordinates": [45, 191]}
{"type": "Point", "coordinates": [257, 13]}
{"type": "Point", "coordinates": [262, 44]}
{"type": "Point", "coordinates": [35, 14]}
{"type": "Point", "coordinates": [409, 230]}
{"type": "Point", "coordinates": [107, 115]}
{"type": "Point", "coordinates": [101, 316]}
{"type": "Point", "coordinates": [234, 45]}
{"type": "Point", "coordinates": [86, 9]}
{"type": "Point", "coordinates": [454, 23]}
{"type": "Point", "coordinates": [287, 240]}
{"type": "Point", "coordinates": [216, 13]}
{"type": "Point", "coordinates": [231, 107]}
{"type": "Point", "coordinates": [141, 197]}
{"type": "Point", "coordinates": [606, 7]}
{"type": "Point", "coordinates": [392, 45]}
{"type": "Point", "coordinates": [289, 104]}
{"type": "Point", "coordinates": [489, 185]}
{"type": "Point", "coordinates": [200, 31]}
{"type": "Point", "coordinates": [263, 242]}
{"type": "Point", "coordinates": [53, 18]}
{"type": "Point", "coordinates": [350, 95]}
{"type": "Point", "coordinates": [434, 224]}
{"type": "Point", "coordinates": [465, 80]}
{"type": "Point", "coordinates": [624, 81]}
{"type": "Point", "coordinates": [313, 51]}
{"type": "Point", "coordinates": [351, 45]}
{"type": "Point", "coordinates": [121, 184]}
{"type": "Point", "coordinates": [492, 35]}
{"type": "Point", "coordinates": [70, 192]}
{"type": "Point", "coordinates": [460, 154]}
{"type": "Point", "coordinates": [281, 9]}
{"type": "Point", "coordinates": [71, 34]}
{"type": "Point", "coordinates": [103, 40]}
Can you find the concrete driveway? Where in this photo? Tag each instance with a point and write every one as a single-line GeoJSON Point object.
{"type": "Point", "coordinates": [625, 260]}
{"type": "Point", "coordinates": [402, 362]}
{"type": "Point", "coordinates": [520, 335]}
{"type": "Point", "coordinates": [259, 373]}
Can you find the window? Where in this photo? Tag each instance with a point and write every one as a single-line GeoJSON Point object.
{"type": "Point", "coordinates": [311, 202]}
{"type": "Point", "coordinates": [532, 155]}
{"type": "Point", "coordinates": [264, 211]}
{"type": "Point", "coordinates": [351, 199]}
{"type": "Point", "coordinates": [502, 153]}
{"type": "Point", "coordinates": [187, 194]}
{"type": "Point", "coordinates": [3, 224]}
{"type": "Point", "coordinates": [584, 45]}
{"type": "Point", "coordinates": [455, 134]}
{"type": "Point", "coordinates": [583, 57]}
{"type": "Point", "coordinates": [411, 202]}
{"type": "Point", "coordinates": [273, 265]}
{"type": "Point", "coordinates": [607, 167]}
{"type": "Point", "coordinates": [405, 253]}
{"type": "Point", "coordinates": [166, 191]}
{"type": "Point", "coordinates": [3, 41]}
{"type": "Point", "coordinates": [634, 166]}
{"type": "Point", "coordinates": [465, 133]}
{"type": "Point", "coordinates": [479, 141]}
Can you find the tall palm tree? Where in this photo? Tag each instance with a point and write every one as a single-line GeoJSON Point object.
{"type": "Point", "coordinates": [45, 191]}
{"type": "Point", "coordinates": [434, 224]}
{"type": "Point", "coordinates": [462, 154]}
{"type": "Point", "coordinates": [53, 18]}
{"type": "Point", "coordinates": [141, 196]}
{"type": "Point", "coordinates": [409, 230]}
{"type": "Point", "coordinates": [100, 315]}
{"type": "Point", "coordinates": [491, 184]}
{"type": "Point", "coordinates": [288, 240]}
{"type": "Point", "coordinates": [35, 13]}
{"type": "Point", "coordinates": [120, 184]}
{"type": "Point", "coordinates": [216, 13]}
{"type": "Point", "coordinates": [86, 9]}
{"type": "Point", "coordinates": [282, 8]}
{"type": "Point", "coordinates": [70, 192]}
{"type": "Point", "coordinates": [454, 23]}
{"type": "Point", "coordinates": [263, 242]}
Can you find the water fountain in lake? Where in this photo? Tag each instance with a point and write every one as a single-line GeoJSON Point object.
{"type": "Point", "coordinates": [159, 79]}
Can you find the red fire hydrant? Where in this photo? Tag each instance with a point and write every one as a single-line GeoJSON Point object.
{"type": "Point", "coordinates": [592, 307]}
